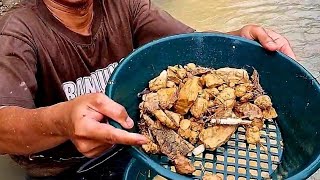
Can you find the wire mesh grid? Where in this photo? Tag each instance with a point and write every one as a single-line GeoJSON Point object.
{"type": "Point", "coordinates": [236, 159]}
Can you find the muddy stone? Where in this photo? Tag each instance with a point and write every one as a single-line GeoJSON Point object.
{"type": "Point", "coordinates": [5, 5]}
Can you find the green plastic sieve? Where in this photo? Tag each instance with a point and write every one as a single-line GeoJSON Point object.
{"type": "Point", "coordinates": [294, 91]}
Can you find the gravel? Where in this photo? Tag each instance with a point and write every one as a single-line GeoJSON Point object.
{"type": "Point", "coordinates": [5, 5]}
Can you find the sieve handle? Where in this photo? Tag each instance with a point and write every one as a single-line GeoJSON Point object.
{"type": "Point", "coordinates": [136, 153]}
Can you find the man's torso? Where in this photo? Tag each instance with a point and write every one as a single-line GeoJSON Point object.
{"type": "Point", "coordinates": [66, 65]}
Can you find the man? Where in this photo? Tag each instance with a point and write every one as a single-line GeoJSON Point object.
{"type": "Point", "coordinates": [56, 57]}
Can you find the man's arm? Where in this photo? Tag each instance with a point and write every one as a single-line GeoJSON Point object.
{"type": "Point", "coordinates": [27, 131]}
{"type": "Point", "coordinates": [267, 38]}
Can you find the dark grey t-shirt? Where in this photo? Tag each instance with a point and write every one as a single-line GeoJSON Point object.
{"type": "Point", "coordinates": [43, 63]}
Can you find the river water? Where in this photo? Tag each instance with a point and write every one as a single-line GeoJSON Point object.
{"type": "Point", "coordinates": [298, 20]}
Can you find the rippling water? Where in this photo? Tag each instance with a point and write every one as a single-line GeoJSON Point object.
{"type": "Point", "coordinates": [299, 21]}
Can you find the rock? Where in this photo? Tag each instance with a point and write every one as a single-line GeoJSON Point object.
{"type": "Point", "coordinates": [6, 5]}
{"type": "Point", "coordinates": [9, 3]}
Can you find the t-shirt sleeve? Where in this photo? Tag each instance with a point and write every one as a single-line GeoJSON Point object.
{"type": "Point", "coordinates": [17, 72]}
{"type": "Point", "coordinates": [150, 22]}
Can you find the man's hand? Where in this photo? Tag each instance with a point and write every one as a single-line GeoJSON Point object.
{"type": "Point", "coordinates": [91, 136]}
{"type": "Point", "coordinates": [267, 38]}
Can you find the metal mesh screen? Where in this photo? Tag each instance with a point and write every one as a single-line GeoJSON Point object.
{"type": "Point", "coordinates": [235, 159]}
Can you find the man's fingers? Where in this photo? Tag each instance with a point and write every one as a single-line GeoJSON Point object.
{"type": "Point", "coordinates": [286, 49]}
{"type": "Point", "coordinates": [282, 43]}
{"type": "Point", "coordinates": [260, 34]}
{"type": "Point", "coordinates": [118, 136]}
{"type": "Point", "coordinates": [272, 40]}
{"type": "Point", "coordinates": [92, 113]}
{"type": "Point", "coordinates": [269, 39]}
{"type": "Point", "coordinates": [98, 151]}
{"type": "Point", "coordinates": [111, 135]}
{"type": "Point", "coordinates": [115, 111]}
